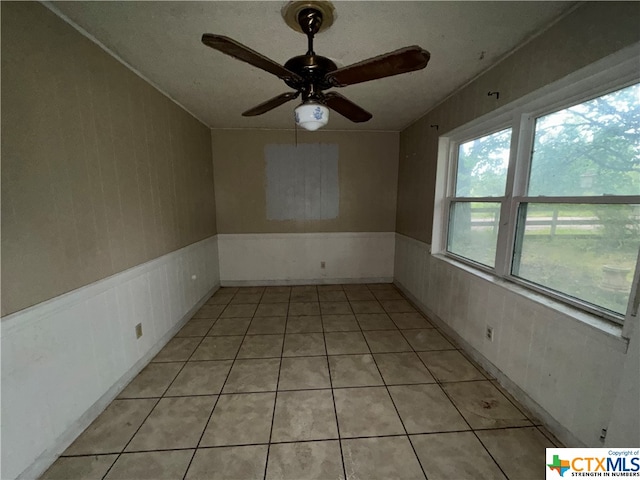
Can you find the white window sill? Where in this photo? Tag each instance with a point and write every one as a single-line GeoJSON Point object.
{"type": "Point", "coordinates": [611, 332]}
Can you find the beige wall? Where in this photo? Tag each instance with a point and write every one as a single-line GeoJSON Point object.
{"type": "Point", "coordinates": [100, 171]}
{"type": "Point", "coordinates": [591, 32]}
{"type": "Point", "coordinates": [367, 169]}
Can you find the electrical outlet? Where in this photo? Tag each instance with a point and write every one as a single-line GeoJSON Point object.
{"type": "Point", "coordinates": [322, 265]}
{"type": "Point", "coordinates": [138, 330]}
{"type": "Point", "coordinates": [489, 333]}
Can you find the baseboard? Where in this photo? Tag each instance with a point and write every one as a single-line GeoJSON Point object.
{"type": "Point", "coordinates": [310, 281]}
{"type": "Point", "coordinates": [561, 433]}
{"type": "Point", "coordinates": [47, 458]}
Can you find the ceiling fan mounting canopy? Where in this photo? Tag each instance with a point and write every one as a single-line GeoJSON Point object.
{"type": "Point", "coordinates": [291, 13]}
{"type": "Point", "coordinates": [310, 74]}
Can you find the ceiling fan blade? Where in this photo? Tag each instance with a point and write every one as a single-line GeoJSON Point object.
{"type": "Point", "coordinates": [346, 107]}
{"type": "Point", "coordinates": [237, 50]}
{"type": "Point", "coordinates": [270, 104]}
{"type": "Point", "coordinates": [404, 60]}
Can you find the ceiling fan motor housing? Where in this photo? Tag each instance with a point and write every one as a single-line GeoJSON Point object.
{"type": "Point", "coordinates": [313, 69]}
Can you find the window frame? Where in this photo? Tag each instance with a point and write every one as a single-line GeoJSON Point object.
{"type": "Point", "coordinates": [451, 188]}
{"type": "Point", "coordinates": [610, 74]}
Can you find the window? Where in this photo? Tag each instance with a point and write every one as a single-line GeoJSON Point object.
{"type": "Point", "coordinates": [481, 175]}
{"type": "Point", "coordinates": [551, 199]}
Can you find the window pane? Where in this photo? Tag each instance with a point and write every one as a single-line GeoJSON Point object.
{"type": "Point", "coordinates": [586, 251]}
{"type": "Point", "coordinates": [482, 166]}
{"type": "Point", "coordinates": [473, 231]}
{"type": "Point", "coordinates": [589, 149]}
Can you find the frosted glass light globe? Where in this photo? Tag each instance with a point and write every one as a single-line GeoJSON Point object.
{"type": "Point", "coordinates": [311, 115]}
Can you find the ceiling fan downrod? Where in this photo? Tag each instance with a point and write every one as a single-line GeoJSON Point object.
{"type": "Point", "coordinates": [310, 21]}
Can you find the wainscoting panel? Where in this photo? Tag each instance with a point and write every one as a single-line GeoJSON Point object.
{"type": "Point", "coordinates": [64, 360]}
{"type": "Point", "coordinates": [296, 258]}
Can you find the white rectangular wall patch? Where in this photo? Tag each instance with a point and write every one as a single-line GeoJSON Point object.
{"type": "Point", "coordinates": [301, 181]}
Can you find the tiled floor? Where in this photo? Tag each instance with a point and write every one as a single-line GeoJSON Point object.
{"type": "Point", "coordinates": [311, 382]}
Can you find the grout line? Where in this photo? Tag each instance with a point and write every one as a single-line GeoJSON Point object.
{"type": "Point", "coordinates": [395, 406]}
{"type": "Point", "coordinates": [490, 455]}
{"type": "Point", "coordinates": [439, 383]}
{"type": "Point", "coordinates": [167, 388]}
{"type": "Point", "coordinates": [335, 409]}
{"type": "Point", "coordinates": [218, 396]}
{"type": "Point", "coordinates": [347, 387]}
{"type": "Point", "coordinates": [360, 437]}
{"type": "Point", "coordinates": [105, 454]}
{"type": "Point", "coordinates": [275, 400]}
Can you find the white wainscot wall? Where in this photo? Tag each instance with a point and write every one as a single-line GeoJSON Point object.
{"type": "Point", "coordinates": [65, 359]}
{"type": "Point", "coordinates": [295, 258]}
{"type": "Point", "coordinates": [565, 371]}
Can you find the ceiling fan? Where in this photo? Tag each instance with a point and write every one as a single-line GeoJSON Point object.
{"type": "Point", "coordinates": [310, 74]}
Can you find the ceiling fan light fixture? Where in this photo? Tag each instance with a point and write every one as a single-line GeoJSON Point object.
{"type": "Point", "coordinates": [311, 115]}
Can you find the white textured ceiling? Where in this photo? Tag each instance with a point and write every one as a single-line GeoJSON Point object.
{"type": "Point", "coordinates": [161, 40]}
